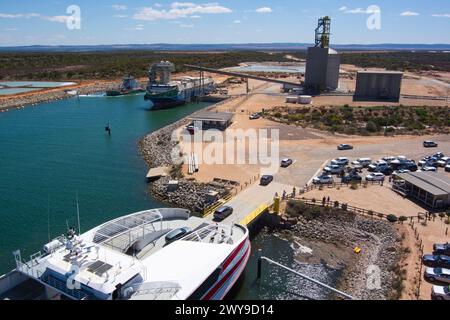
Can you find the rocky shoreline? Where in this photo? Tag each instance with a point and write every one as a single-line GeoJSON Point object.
{"type": "Point", "coordinates": [344, 231]}
{"type": "Point", "coordinates": [20, 101]}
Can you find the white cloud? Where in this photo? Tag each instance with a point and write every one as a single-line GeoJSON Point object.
{"type": "Point", "coordinates": [60, 19]}
{"type": "Point", "coordinates": [237, 21]}
{"type": "Point", "coordinates": [186, 26]}
{"type": "Point", "coordinates": [264, 10]}
{"type": "Point", "coordinates": [180, 10]}
{"type": "Point", "coordinates": [11, 29]}
{"type": "Point", "coordinates": [441, 15]}
{"type": "Point", "coordinates": [358, 10]}
{"type": "Point", "coordinates": [119, 7]}
{"type": "Point", "coordinates": [409, 14]}
{"type": "Point", "coordinates": [120, 16]}
{"type": "Point", "coordinates": [195, 17]}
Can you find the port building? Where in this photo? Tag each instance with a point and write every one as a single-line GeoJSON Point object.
{"type": "Point", "coordinates": [378, 86]}
{"type": "Point", "coordinates": [212, 120]}
{"type": "Point", "coordinates": [430, 188]}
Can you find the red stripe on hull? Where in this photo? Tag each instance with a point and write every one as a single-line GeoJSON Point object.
{"type": "Point", "coordinates": [230, 273]}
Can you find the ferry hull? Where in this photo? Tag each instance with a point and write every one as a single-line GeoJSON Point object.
{"type": "Point", "coordinates": [232, 268]}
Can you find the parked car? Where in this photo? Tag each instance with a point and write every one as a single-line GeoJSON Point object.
{"type": "Point", "coordinates": [351, 177]}
{"type": "Point", "coordinates": [441, 249]}
{"type": "Point", "coordinates": [255, 116]}
{"type": "Point", "coordinates": [440, 293]}
{"type": "Point", "coordinates": [436, 261]}
{"type": "Point", "coordinates": [190, 129]}
{"type": "Point", "coordinates": [409, 166]}
{"type": "Point", "coordinates": [323, 179]}
{"type": "Point", "coordinates": [222, 213]}
{"type": "Point", "coordinates": [447, 168]}
{"type": "Point", "coordinates": [443, 161]}
{"type": "Point", "coordinates": [389, 159]}
{"type": "Point", "coordinates": [387, 171]}
{"type": "Point", "coordinates": [430, 144]}
{"type": "Point", "coordinates": [437, 275]}
{"type": "Point", "coordinates": [342, 161]}
{"type": "Point", "coordinates": [376, 176]}
{"type": "Point", "coordinates": [334, 169]}
{"type": "Point", "coordinates": [266, 180]}
{"type": "Point", "coordinates": [286, 162]}
{"type": "Point", "coordinates": [377, 167]}
{"type": "Point", "coordinates": [345, 147]}
{"type": "Point", "coordinates": [400, 172]}
{"type": "Point", "coordinates": [438, 155]}
{"type": "Point", "coordinates": [177, 234]}
{"type": "Point", "coordinates": [428, 168]}
{"type": "Point", "coordinates": [362, 162]}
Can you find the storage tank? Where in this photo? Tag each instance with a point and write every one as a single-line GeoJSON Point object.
{"type": "Point", "coordinates": [378, 86]}
{"type": "Point", "coordinates": [305, 99]}
{"type": "Point", "coordinates": [292, 99]}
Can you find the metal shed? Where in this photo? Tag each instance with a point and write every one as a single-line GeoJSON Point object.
{"type": "Point", "coordinates": [430, 188]}
{"type": "Point", "coordinates": [378, 86]}
{"type": "Point", "coordinates": [212, 120]}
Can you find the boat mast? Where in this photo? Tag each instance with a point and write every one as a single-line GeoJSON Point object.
{"type": "Point", "coordinates": [78, 216]}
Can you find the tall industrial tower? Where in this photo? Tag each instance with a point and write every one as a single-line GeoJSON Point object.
{"type": "Point", "coordinates": [323, 32]}
{"type": "Point", "coordinates": [322, 62]}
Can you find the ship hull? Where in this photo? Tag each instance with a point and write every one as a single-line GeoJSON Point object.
{"type": "Point", "coordinates": [230, 271]}
{"type": "Point", "coordinates": [116, 93]}
{"type": "Point", "coordinates": [232, 268]}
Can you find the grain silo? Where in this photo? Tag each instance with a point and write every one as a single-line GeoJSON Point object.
{"type": "Point", "coordinates": [322, 62]}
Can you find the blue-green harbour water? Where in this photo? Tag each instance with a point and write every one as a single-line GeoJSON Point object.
{"type": "Point", "coordinates": [51, 152]}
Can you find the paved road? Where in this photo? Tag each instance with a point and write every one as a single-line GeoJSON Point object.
{"type": "Point", "coordinates": [253, 197]}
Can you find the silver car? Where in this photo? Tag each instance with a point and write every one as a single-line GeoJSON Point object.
{"type": "Point", "coordinates": [440, 293]}
{"type": "Point", "coordinates": [438, 275]}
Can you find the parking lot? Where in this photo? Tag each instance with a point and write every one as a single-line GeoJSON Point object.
{"type": "Point", "coordinates": [311, 156]}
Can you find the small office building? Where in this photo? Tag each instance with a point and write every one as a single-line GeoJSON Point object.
{"type": "Point", "coordinates": [212, 120]}
{"type": "Point", "coordinates": [430, 188]}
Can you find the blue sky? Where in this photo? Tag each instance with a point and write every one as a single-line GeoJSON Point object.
{"type": "Point", "coordinates": [29, 22]}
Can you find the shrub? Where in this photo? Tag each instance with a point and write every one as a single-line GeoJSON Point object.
{"type": "Point", "coordinates": [402, 219]}
{"type": "Point", "coordinates": [371, 126]}
{"type": "Point", "coordinates": [392, 218]}
{"type": "Point", "coordinates": [354, 185]}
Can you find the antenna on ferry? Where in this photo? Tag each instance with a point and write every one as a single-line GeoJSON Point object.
{"type": "Point", "coordinates": [78, 216]}
{"type": "Point", "coordinates": [48, 218]}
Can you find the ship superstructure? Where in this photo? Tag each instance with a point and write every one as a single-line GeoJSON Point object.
{"type": "Point", "coordinates": [164, 92]}
{"type": "Point", "coordinates": [137, 257]}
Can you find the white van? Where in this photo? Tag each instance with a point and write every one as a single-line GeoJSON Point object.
{"type": "Point", "coordinates": [363, 162]}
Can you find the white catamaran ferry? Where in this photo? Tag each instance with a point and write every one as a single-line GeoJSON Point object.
{"type": "Point", "coordinates": [156, 254]}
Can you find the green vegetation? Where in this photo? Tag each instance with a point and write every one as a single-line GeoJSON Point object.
{"type": "Point", "coordinates": [395, 60]}
{"type": "Point", "coordinates": [367, 120]}
{"type": "Point", "coordinates": [113, 65]}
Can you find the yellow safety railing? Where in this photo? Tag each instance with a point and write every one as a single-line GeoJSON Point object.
{"type": "Point", "coordinates": [252, 216]}
{"type": "Point", "coordinates": [209, 210]}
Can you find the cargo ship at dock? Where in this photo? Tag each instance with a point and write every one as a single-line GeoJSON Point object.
{"type": "Point", "coordinates": [158, 254]}
{"type": "Point", "coordinates": [164, 92]}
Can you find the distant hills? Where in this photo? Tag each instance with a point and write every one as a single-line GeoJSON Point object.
{"type": "Point", "coordinates": [226, 47]}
